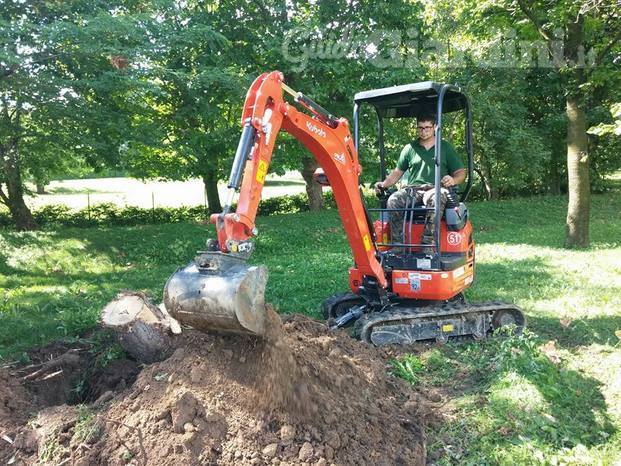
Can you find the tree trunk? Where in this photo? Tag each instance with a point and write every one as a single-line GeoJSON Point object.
{"type": "Point", "coordinates": [578, 187]}
{"type": "Point", "coordinates": [578, 176]}
{"type": "Point", "coordinates": [143, 330]}
{"type": "Point", "coordinates": [313, 189]}
{"type": "Point", "coordinates": [211, 189]}
{"type": "Point", "coordinates": [14, 197]}
{"type": "Point", "coordinates": [486, 176]}
{"type": "Point", "coordinates": [40, 187]}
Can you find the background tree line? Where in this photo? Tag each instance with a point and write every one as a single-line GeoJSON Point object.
{"type": "Point", "coordinates": [156, 87]}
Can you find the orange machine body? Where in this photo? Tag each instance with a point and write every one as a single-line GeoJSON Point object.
{"type": "Point", "coordinates": [422, 282]}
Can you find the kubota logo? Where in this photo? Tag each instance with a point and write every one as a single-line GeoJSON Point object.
{"type": "Point", "coordinates": [453, 238]}
{"type": "Point", "coordinates": [315, 129]}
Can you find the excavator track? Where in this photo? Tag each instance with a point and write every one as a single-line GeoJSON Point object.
{"type": "Point", "coordinates": [401, 325]}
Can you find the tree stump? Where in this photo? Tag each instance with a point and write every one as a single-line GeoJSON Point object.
{"type": "Point", "coordinates": [144, 330]}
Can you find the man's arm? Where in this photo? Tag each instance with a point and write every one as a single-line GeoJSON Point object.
{"type": "Point", "coordinates": [455, 168]}
{"type": "Point", "coordinates": [456, 178]}
{"type": "Point", "coordinates": [390, 180]}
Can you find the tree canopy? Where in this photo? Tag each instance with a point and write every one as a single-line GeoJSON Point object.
{"type": "Point", "coordinates": [156, 87]}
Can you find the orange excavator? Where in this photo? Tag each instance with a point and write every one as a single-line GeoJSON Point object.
{"type": "Point", "coordinates": [400, 293]}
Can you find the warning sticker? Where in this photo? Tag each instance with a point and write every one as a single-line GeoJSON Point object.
{"type": "Point", "coordinates": [367, 242]}
{"type": "Point", "coordinates": [401, 281]}
{"type": "Point", "coordinates": [261, 171]}
{"type": "Point", "coordinates": [419, 276]}
{"type": "Point", "coordinates": [415, 284]}
{"type": "Point", "coordinates": [468, 280]}
{"type": "Point", "coordinates": [458, 272]}
{"type": "Point", "coordinates": [423, 263]}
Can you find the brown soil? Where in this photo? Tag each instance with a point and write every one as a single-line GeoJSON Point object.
{"type": "Point", "coordinates": [306, 396]}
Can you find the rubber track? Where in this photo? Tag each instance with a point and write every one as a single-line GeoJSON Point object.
{"type": "Point", "coordinates": [364, 325]}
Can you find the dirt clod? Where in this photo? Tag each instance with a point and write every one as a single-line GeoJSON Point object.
{"type": "Point", "coordinates": [306, 452]}
{"type": "Point", "coordinates": [287, 433]}
{"type": "Point", "coordinates": [270, 450]}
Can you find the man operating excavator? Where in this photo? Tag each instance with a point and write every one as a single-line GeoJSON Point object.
{"type": "Point", "coordinates": [417, 158]}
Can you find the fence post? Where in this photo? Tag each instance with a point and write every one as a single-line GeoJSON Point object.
{"type": "Point", "coordinates": [205, 198]}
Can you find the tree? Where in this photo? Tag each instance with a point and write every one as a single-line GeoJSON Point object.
{"type": "Point", "coordinates": [320, 48]}
{"type": "Point", "coordinates": [58, 88]}
{"type": "Point", "coordinates": [186, 115]}
{"type": "Point", "coordinates": [586, 26]}
{"type": "Point", "coordinates": [572, 44]}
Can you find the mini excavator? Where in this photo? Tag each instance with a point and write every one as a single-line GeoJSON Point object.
{"type": "Point", "coordinates": [400, 292]}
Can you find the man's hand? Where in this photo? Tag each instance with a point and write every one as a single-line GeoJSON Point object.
{"type": "Point", "coordinates": [448, 181]}
{"type": "Point", "coordinates": [379, 187]}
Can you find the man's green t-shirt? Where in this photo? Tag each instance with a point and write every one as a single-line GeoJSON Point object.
{"type": "Point", "coordinates": [420, 162]}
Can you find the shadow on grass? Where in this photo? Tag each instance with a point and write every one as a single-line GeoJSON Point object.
{"type": "Point", "coordinates": [573, 412]}
{"type": "Point", "coordinates": [519, 400]}
{"type": "Point", "coordinates": [57, 282]}
{"type": "Point", "coordinates": [514, 280]}
{"type": "Point", "coordinates": [580, 332]}
{"type": "Point", "coordinates": [29, 324]}
{"type": "Point", "coordinates": [529, 280]}
{"type": "Point", "coordinates": [34, 317]}
{"type": "Point", "coordinates": [540, 221]}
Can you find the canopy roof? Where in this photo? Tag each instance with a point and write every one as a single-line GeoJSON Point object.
{"type": "Point", "coordinates": [412, 100]}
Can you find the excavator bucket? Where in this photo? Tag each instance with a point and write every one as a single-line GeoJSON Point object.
{"type": "Point", "coordinates": [218, 292]}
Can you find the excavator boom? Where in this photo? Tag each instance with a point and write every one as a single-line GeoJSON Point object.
{"type": "Point", "coordinates": [218, 290]}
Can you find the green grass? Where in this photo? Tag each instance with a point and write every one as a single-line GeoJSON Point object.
{"type": "Point", "coordinates": [509, 404]}
{"type": "Point", "coordinates": [512, 402]}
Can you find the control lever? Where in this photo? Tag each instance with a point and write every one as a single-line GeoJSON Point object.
{"type": "Point", "coordinates": [452, 199]}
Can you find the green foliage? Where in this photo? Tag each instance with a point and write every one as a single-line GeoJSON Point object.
{"type": "Point", "coordinates": [614, 128]}
{"type": "Point", "coordinates": [86, 428]}
{"type": "Point", "coordinates": [110, 214]}
{"type": "Point", "coordinates": [155, 89]}
{"type": "Point", "coordinates": [433, 369]}
{"type": "Point", "coordinates": [106, 348]}
{"type": "Point", "coordinates": [408, 367]}
{"type": "Point", "coordinates": [51, 451]}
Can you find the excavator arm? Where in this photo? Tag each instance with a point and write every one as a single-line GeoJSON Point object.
{"type": "Point", "coordinates": [326, 137]}
{"type": "Point", "coordinates": [219, 290]}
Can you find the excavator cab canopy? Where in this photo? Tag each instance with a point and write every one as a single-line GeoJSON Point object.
{"type": "Point", "coordinates": [414, 100]}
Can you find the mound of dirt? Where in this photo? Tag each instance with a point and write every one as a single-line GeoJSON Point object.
{"type": "Point", "coordinates": [306, 396]}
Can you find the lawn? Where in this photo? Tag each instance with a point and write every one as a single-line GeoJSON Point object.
{"type": "Point", "coordinates": [552, 396]}
{"type": "Point", "coordinates": [79, 193]}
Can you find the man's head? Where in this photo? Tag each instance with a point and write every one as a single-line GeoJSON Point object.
{"type": "Point", "coordinates": [426, 126]}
